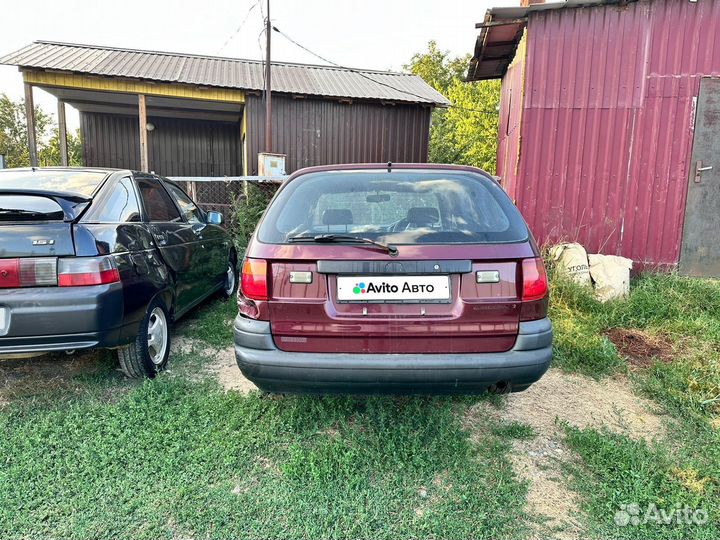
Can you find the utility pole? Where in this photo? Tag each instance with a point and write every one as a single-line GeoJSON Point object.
{"type": "Point", "coordinates": [268, 86]}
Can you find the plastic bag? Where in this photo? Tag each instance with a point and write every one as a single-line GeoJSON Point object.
{"type": "Point", "coordinates": [611, 275]}
{"type": "Point", "coordinates": [572, 261]}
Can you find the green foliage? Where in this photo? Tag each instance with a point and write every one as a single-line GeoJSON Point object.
{"type": "Point", "coordinates": [49, 152]}
{"type": "Point", "coordinates": [13, 137]}
{"type": "Point", "coordinates": [467, 132]}
{"type": "Point", "coordinates": [247, 209]}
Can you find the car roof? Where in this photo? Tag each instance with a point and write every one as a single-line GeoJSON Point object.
{"type": "Point", "coordinates": [106, 170]}
{"type": "Point", "coordinates": [348, 167]}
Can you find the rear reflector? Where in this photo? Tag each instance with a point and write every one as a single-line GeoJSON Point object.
{"type": "Point", "coordinates": [253, 282]}
{"type": "Point", "coordinates": [29, 272]}
{"type": "Point", "coordinates": [83, 271]}
{"type": "Point", "coordinates": [535, 284]}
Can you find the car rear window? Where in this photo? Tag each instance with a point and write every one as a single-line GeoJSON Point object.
{"type": "Point", "coordinates": [399, 207]}
{"type": "Point", "coordinates": [77, 182]}
{"type": "Point", "coordinates": [29, 208]}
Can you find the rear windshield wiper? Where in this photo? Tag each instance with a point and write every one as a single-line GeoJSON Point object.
{"type": "Point", "coordinates": [330, 238]}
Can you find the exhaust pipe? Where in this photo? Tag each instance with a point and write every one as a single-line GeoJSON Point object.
{"type": "Point", "coordinates": [500, 387]}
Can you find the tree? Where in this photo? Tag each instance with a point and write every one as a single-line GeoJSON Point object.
{"type": "Point", "coordinates": [49, 154]}
{"type": "Point", "coordinates": [466, 132]}
{"type": "Point", "coordinates": [13, 136]}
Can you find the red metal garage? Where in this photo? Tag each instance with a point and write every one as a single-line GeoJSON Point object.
{"type": "Point", "coordinates": [608, 109]}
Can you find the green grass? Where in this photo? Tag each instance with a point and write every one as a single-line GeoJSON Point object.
{"type": "Point", "coordinates": [617, 471]}
{"type": "Point", "coordinates": [172, 458]}
{"type": "Point", "coordinates": [211, 323]}
{"type": "Point", "coordinates": [683, 470]}
{"type": "Point", "coordinates": [96, 455]}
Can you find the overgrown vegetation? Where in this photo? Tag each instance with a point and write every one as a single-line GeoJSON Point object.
{"type": "Point", "coordinates": [13, 136]}
{"type": "Point", "coordinates": [465, 133]}
{"type": "Point", "coordinates": [247, 209]}
{"type": "Point", "coordinates": [683, 471]}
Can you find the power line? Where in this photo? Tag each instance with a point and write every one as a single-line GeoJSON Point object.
{"type": "Point", "coordinates": [237, 30]}
{"type": "Point", "coordinates": [364, 75]}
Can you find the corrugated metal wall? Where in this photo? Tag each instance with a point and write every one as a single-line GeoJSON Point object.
{"type": "Point", "coordinates": [176, 147]}
{"type": "Point", "coordinates": [511, 98]}
{"type": "Point", "coordinates": [607, 123]}
{"type": "Point", "coordinates": [321, 132]}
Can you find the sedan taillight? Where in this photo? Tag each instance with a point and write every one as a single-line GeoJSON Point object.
{"type": "Point", "coordinates": [28, 272]}
{"type": "Point", "coordinates": [83, 271]}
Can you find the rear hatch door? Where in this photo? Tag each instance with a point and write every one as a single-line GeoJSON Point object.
{"type": "Point", "coordinates": [424, 305]}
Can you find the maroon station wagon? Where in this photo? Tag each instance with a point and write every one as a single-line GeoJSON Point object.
{"type": "Point", "coordinates": [392, 279]}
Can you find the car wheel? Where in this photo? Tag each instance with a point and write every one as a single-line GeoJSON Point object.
{"type": "Point", "coordinates": [148, 354]}
{"type": "Point", "coordinates": [231, 279]}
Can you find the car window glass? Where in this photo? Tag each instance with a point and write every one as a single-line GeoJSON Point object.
{"type": "Point", "coordinates": [158, 204]}
{"type": "Point", "coordinates": [189, 210]}
{"type": "Point", "coordinates": [390, 206]}
{"type": "Point", "coordinates": [120, 206]}
{"type": "Point", "coordinates": [398, 207]}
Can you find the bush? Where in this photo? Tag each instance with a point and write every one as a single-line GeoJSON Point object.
{"type": "Point", "coordinates": [247, 209]}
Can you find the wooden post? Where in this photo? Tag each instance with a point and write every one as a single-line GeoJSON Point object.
{"type": "Point", "coordinates": [268, 86]}
{"type": "Point", "coordinates": [142, 113]}
{"type": "Point", "coordinates": [30, 119]}
{"type": "Point", "coordinates": [62, 133]}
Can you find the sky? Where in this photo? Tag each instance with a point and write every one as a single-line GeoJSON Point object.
{"type": "Point", "coordinates": [371, 34]}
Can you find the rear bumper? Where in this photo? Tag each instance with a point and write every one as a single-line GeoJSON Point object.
{"type": "Point", "coordinates": [279, 371]}
{"type": "Point", "coordinates": [59, 318]}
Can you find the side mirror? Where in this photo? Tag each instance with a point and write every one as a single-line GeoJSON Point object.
{"type": "Point", "coordinates": [214, 218]}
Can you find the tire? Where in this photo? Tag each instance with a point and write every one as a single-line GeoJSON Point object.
{"type": "Point", "coordinates": [148, 354]}
{"type": "Point", "coordinates": [230, 284]}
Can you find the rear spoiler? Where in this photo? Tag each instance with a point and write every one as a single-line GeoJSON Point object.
{"type": "Point", "coordinates": [72, 204]}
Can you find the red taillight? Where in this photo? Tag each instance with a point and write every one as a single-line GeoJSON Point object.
{"type": "Point", "coordinates": [535, 283]}
{"type": "Point", "coordinates": [28, 272]}
{"type": "Point", "coordinates": [83, 271]}
{"type": "Point", "coordinates": [253, 283]}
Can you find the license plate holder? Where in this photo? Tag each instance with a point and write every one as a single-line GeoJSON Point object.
{"type": "Point", "coordinates": [394, 289]}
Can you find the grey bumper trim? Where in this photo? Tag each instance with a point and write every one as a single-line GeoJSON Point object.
{"type": "Point", "coordinates": [272, 369]}
{"type": "Point", "coordinates": [48, 347]}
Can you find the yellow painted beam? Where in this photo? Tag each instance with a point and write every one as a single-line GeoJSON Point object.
{"type": "Point", "coordinates": [128, 86]}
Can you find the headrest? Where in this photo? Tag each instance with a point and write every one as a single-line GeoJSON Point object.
{"type": "Point", "coordinates": [337, 216]}
{"type": "Point", "coordinates": [423, 214]}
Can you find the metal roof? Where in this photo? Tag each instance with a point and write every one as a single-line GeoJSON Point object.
{"type": "Point", "coordinates": [222, 72]}
{"type": "Point", "coordinates": [502, 30]}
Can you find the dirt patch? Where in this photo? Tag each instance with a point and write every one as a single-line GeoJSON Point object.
{"type": "Point", "coordinates": [639, 347]}
{"type": "Point", "coordinates": [36, 375]}
{"type": "Point", "coordinates": [221, 365]}
{"type": "Point", "coordinates": [582, 402]}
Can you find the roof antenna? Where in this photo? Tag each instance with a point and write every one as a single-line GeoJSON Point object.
{"type": "Point", "coordinates": [389, 166]}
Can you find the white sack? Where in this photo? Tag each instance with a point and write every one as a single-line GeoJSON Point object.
{"type": "Point", "coordinates": [572, 261]}
{"type": "Point", "coordinates": [611, 275]}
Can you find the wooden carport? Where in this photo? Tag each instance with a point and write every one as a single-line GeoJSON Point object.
{"type": "Point", "coordinates": [126, 96]}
